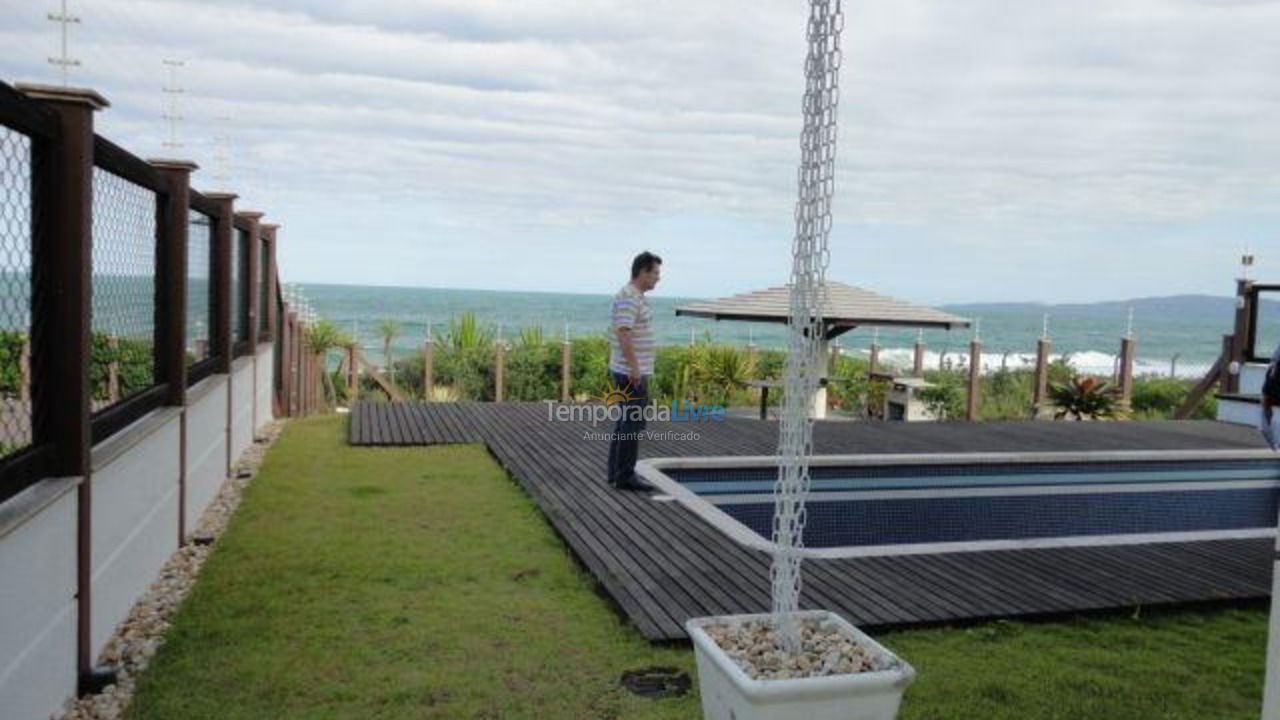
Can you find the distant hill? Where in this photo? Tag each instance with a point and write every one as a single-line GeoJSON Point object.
{"type": "Point", "coordinates": [1193, 308]}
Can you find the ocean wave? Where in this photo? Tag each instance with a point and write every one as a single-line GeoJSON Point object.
{"type": "Point", "coordinates": [1089, 362]}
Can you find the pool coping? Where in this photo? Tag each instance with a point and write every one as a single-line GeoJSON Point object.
{"type": "Point", "coordinates": [652, 471]}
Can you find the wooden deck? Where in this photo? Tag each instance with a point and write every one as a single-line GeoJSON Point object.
{"type": "Point", "coordinates": [662, 564]}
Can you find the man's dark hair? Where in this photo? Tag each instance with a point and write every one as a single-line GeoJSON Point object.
{"type": "Point", "coordinates": [644, 261]}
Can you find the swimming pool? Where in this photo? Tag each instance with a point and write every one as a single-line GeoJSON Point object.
{"type": "Point", "coordinates": [862, 505]}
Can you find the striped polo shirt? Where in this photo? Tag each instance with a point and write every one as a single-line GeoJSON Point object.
{"type": "Point", "coordinates": [631, 310]}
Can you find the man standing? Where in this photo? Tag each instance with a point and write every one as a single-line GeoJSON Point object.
{"type": "Point", "coordinates": [631, 354]}
{"type": "Point", "coordinates": [1270, 398]}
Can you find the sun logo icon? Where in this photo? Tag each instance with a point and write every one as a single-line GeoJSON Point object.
{"type": "Point", "coordinates": [614, 395]}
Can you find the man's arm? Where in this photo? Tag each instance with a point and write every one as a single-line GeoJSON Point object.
{"type": "Point", "coordinates": [629, 353]}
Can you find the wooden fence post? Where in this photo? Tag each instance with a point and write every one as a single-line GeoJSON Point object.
{"type": "Point", "coordinates": [917, 365]}
{"type": "Point", "coordinates": [428, 368]}
{"type": "Point", "coordinates": [874, 363]}
{"type": "Point", "coordinates": [353, 375]}
{"type": "Point", "coordinates": [253, 219]}
{"type": "Point", "coordinates": [61, 264]}
{"type": "Point", "coordinates": [975, 378]}
{"type": "Point", "coordinates": [304, 395]}
{"type": "Point", "coordinates": [1127, 347]}
{"type": "Point", "coordinates": [269, 232]}
{"type": "Point", "coordinates": [1041, 394]}
{"type": "Point", "coordinates": [286, 362]}
{"type": "Point", "coordinates": [308, 376]}
{"type": "Point", "coordinates": [172, 280]}
{"type": "Point", "coordinates": [500, 361]}
{"type": "Point", "coordinates": [223, 235]}
{"type": "Point", "coordinates": [1240, 334]}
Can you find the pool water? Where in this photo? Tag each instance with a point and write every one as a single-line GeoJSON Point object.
{"type": "Point", "coordinates": [905, 504]}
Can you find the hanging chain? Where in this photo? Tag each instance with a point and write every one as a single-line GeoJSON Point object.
{"type": "Point", "coordinates": [806, 358]}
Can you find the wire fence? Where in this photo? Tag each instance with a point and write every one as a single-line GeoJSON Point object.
{"type": "Point", "coordinates": [15, 291]}
{"type": "Point", "coordinates": [123, 287]}
{"type": "Point", "coordinates": [200, 307]}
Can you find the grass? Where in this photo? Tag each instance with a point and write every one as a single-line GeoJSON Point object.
{"type": "Point", "coordinates": [422, 583]}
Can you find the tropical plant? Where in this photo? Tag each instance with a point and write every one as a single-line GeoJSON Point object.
{"type": "Point", "coordinates": [531, 337]}
{"type": "Point", "coordinates": [321, 337]}
{"type": "Point", "coordinates": [1085, 396]}
{"type": "Point", "coordinates": [388, 329]}
{"type": "Point", "coordinates": [722, 373]}
{"type": "Point", "coordinates": [467, 332]}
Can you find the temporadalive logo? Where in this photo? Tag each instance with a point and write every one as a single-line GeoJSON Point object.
{"type": "Point", "coordinates": [618, 402]}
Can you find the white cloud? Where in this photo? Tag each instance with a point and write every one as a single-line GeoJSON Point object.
{"type": "Point", "coordinates": [994, 135]}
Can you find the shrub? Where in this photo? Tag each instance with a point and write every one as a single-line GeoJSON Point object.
{"type": "Point", "coordinates": [1083, 397]}
{"type": "Point", "coordinates": [1160, 398]}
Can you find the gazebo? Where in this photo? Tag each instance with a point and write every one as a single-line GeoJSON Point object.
{"type": "Point", "coordinates": [847, 307]}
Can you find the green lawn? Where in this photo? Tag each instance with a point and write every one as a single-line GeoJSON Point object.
{"type": "Point", "coordinates": [422, 583]}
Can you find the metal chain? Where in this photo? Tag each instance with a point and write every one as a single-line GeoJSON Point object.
{"type": "Point", "coordinates": [805, 357]}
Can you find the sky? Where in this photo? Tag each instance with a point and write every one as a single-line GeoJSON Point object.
{"type": "Point", "coordinates": [989, 150]}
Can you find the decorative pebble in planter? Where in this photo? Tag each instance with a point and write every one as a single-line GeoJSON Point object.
{"type": "Point", "coordinates": [840, 673]}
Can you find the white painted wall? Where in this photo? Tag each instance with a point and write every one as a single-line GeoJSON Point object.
{"type": "Point", "coordinates": [38, 607]}
{"type": "Point", "coordinates": [265, 387]}
{"type": "Point", "coordinates": [242, 381]}
{"type": "Point", "coordinates": [206, 444]}
{"type": "Point", "coordinates": [1251, 376]}
{"type": "Point", "coordinates": [1235, 411]}
{"type": "Point", "coordinates": [135, 519]}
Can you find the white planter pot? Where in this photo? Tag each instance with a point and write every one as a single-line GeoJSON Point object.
{"type": "Point", "coordinates": [728, 693]}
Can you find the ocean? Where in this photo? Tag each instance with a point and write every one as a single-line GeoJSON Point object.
{"type": "Point", "coordinates": [1179, 336]}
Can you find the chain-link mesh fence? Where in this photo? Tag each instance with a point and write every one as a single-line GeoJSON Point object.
{"type": "Point", "coordinates": [240, 288]}
{"type": "Point", "coordinates": [123, 289]}
{"type": "Point", "coordinates": [15, 291]}
{"type": "Point", "coordinates": [200, 306]}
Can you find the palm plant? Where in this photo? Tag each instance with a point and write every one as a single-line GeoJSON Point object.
{"type": "Point", "coordinates": [468, 333]}
{"type": "Point", "coordinates": [388, 329]}
{"type": "Point", "coordinates": [322, 337]}
{"type": "Point", "coordinates": [1082, 397]}
{"type": "Point", "coordinates": [724, 372]}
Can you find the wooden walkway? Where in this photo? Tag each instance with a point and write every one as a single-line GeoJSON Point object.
{"type": "Point", "coordinates": [662, 564]}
